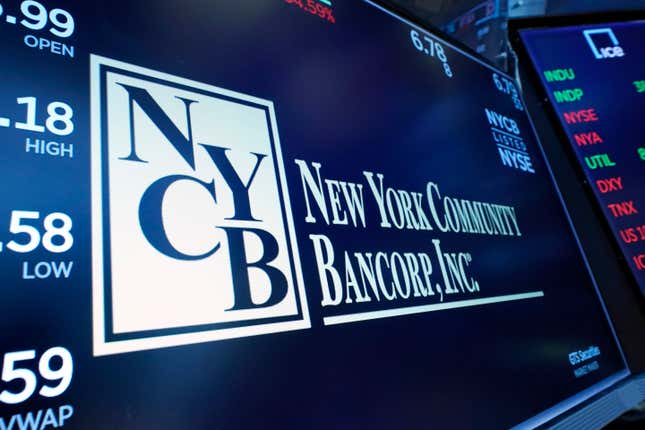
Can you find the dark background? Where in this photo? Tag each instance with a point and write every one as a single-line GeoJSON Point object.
{"type": "Point", "coordinates": [617, 283]}
{"type": "Point", "coordinates": [608, 88]}
{"type": "Point", "coordinates": [488, 36]}
{"type": "Point", "coordinates": [355, 95]}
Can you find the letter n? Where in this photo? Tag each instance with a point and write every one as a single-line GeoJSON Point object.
{"type": "Point", "coordinates": [182, 144]}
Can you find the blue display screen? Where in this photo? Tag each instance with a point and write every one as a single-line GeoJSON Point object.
{"type": "Point", "coordinates": [599, 96]}
{"type": "Point", "coordinates": [278, 214]}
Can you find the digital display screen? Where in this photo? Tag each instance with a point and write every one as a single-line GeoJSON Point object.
{"type": "Point", "coordinates": [277, 214]}
{"type": "Point", "coordinates": [483, 28]}
{"type": "Point", "coordinates": [599, 96]}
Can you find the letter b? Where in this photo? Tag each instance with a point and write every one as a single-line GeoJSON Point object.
{"type": "Point", "coordinates": [240, 268]}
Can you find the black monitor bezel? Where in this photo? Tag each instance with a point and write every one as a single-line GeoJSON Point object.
{"type": "Point", "coordinates": [547, 122]}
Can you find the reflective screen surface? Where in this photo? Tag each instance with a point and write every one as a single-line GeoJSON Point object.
{"type": "Point", "coordinates": [278, 214]}
{"type": "Point", "coordinates": [599, 97]}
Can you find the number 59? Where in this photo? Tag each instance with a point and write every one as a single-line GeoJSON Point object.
{"type": "Point", "coordinates": [12, 372]}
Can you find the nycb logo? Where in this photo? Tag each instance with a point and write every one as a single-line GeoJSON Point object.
{"type": "Point", "coordinates": [598, 37]}
{"type": "Point", "coordinates": [193, 239]}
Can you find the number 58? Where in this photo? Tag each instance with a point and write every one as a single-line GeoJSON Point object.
{"type": "Point", "coordinates": [56, 224]}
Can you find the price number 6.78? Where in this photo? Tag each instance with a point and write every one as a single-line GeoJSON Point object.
{"type": "Point", "coordinates": [431, 48]}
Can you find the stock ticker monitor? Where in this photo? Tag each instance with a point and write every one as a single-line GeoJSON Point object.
{"type": "Point", "coordinates": [593, 76]}
{"type": "Point", "coordinates": [281, 214]}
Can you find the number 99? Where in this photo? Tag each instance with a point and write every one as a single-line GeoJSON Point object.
{"type": "Point", "coordinates": [36, 18]}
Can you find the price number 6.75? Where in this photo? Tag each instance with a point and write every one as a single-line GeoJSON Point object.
{"type": "Point", "coordinates": [57, 237]}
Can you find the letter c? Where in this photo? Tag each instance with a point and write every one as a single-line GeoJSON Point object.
{"type": "Point", "coordinates": [151, 216]}
{"type": "Point", "coordinates": [430, 188]}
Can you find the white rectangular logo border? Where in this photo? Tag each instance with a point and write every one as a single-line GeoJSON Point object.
{"type": "Point", "coordinates": [101, 344]}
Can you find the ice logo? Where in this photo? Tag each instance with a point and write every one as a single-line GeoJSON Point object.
{"type": "Point", "coordinates": [607, 51]}
{"type": "Point", "coordinates": [193, 239]}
